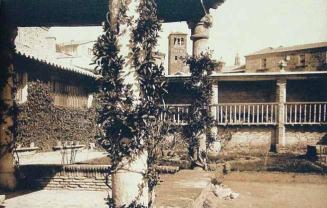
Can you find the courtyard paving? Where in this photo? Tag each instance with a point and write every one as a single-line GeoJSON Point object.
{"type": "Point", "coordinates": [257, 190]}
{"type": "Point", "coordinates": [56, 199]}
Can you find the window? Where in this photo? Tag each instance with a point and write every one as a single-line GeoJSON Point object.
{"type": "Point", "coordinates": [182, 41]}
{"type": "Point", "coordinates": [302, 60]}
{"type": "Point", "coordinates": [263, 63]}
{"type": "Point", "coordinates": [175, 41]}
{"type": "Point", "coordinates": [176, 58]}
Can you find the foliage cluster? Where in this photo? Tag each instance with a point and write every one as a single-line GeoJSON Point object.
{"type": "Point", "coordinates": [128, 124]}
{"type": "Point", "coordinates": [199, 120]}
{"type": "Point", "coordinates": [43, 123]}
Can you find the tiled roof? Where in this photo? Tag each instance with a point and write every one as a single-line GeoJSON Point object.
{"type": "Point", "coordinates": [61, 66]}
{"type": "Point", "coordinates": [291, 48]}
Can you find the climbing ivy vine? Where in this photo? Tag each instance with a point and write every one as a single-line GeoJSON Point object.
{"type": "Point", "coordinates": [127, 126]}
{"type": "Point", "coordinates": [199, 120]}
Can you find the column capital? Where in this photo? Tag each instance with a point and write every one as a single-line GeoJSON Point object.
{"type": "Point", "coordinates": [281, 81]}
{"type": "Point", "coordinates": [200, 34]}
{"type": "Point", "coordinates": [206, 21]}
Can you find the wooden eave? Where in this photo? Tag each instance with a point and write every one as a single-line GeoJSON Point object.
{"type": "Point", "coordinates": [48, 13]}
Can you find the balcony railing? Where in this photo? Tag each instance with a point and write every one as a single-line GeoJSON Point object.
{"type": "Point", "coordinates": [296, 113]}
{"type": "Point", "coordinates": [245, 113]}
{"type": "Point", "coordinates": [310, 113]}
{"type": "Point", "coordinates": [175, 113]}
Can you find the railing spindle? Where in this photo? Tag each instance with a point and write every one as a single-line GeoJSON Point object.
{"type": "Point", "coordinates": [324, 112]}
{"type": "Point", "coordinates": [314, 113]}
{"type": "Point", "coordinates": [295, 113]}
{"type": "Point", "coordinates": [305, 113]}
{"type": "Point", "coordinates": [319, 113]}
{"type": "Point", "coordinates": [310, 114]}
{"type": "Point", "coordinates": [300, 113]}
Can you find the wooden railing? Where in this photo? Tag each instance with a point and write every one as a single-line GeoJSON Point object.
{"type": "Point", "coordinates": [312, 113]}
{"type": "Point", "coordinates": [245, 113]}
{"type": "Point", "coordinates": [296, 113]}
{"type": "Point", "coordinates": [175, 113]}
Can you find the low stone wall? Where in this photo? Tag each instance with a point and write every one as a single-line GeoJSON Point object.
{"type": "Point", "coordinates": [255, 139]}
{"type": "Point", "coordinates": [77, 177]}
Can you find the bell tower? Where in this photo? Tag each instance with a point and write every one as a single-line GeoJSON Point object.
{"type": "Point", "coordinates": [177, 53]}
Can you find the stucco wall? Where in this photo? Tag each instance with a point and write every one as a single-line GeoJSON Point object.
{"type": "Point", "coordinates": [255, 139]}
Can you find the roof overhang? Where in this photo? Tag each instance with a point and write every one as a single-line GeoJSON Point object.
{"type": "Point", "coordinates": [32, 13]}
{"type": "Point", "coordinates": [264, 76]}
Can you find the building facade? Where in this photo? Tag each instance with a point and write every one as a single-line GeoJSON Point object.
{"type": "Point", "coordinates": [55, 97]}
{"type": "Point", "coordinates": [308, 57]}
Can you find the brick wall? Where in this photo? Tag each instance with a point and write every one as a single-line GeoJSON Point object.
{"type": "Point", "coordinates": [72, 177]}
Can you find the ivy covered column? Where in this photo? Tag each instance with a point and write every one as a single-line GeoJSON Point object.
{"type": "Point", "coordinates": [200, 37]}
{"type": "Point", "coordinates": [7, 48]}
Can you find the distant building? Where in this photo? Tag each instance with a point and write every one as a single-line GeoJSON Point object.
{"type": "Point", "coordinates": [177, 52]}
{"type": "Point", "coordinates": [54, 95]}
{"type": "Point", "coordinates": [76, 53]}
{"type": "Point", "coordinates": [236, 68]}
{"type": "Point", "coordinates": [307, 57]}
{"type": "Point", "coordinates": [38, 60]}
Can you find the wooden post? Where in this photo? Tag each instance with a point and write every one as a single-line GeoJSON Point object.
{"type": "Point", "coordinates": [7, 45]}
{"type": "Point", "coordinates": [280, 127]}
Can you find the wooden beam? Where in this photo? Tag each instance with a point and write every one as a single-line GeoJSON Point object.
{"type": "Point", "coordinates": [32, 13]}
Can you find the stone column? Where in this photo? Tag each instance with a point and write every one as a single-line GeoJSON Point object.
{"type": "Point", "coordinates": [7, 170]}
{"type": "Point", "coordinates": [281, 100]}
{"type": "Point", "coordinates": [128, 182]}
{"type": "Point", "coordinates": [200, 34]}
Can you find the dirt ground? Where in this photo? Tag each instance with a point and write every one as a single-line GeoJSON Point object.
{"type": "Point", "coordinates": [273, 190]}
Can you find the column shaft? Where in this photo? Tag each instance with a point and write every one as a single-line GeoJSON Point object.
{"type": "Point", "coordinates": [281, 100]}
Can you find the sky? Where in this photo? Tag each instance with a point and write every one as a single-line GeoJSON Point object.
{"type": "Point", "coordinates": [242, 26]}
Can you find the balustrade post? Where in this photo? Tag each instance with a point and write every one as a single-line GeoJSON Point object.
{"type": "Point", "coordinates": [279, 141]}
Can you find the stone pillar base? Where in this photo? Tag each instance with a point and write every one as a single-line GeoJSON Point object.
{"type": "Point", "coordinates": [128, 184]}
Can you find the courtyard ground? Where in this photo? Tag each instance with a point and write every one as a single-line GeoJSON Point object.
{"type": "Point", "coordinates": [257, 190]}
{"type": "Point", "coordinates": [274, 190]}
